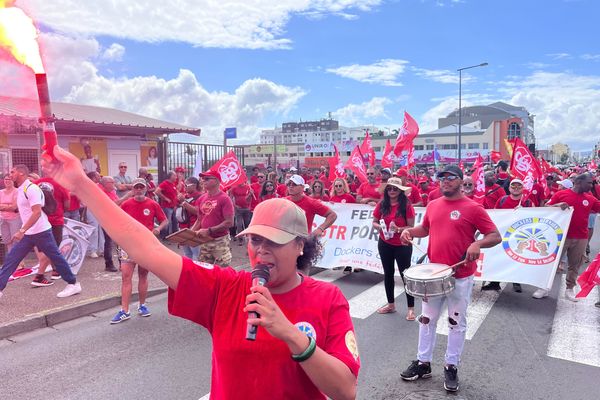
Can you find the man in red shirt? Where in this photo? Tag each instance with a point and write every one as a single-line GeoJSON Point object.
{"type": "Point", "coordinates": [310, 206]}
{"type": "Point", "coordinates": [451, 219]}
{"type": "Point", "coordinates": [583, 204]}
{"type": "Point", "coordinates": [215, 217]}
{"type": "Point", "coordinates": [167, 193]}
{"type": "Point", "coordinates": [256, 189]}
{"type": "Point", "coordinates": [511, 201]}
{"type": "Point", "coordinates": [145, 211]}
{"type": "Point", "coordinates": [368, 192]}
{"type": "Point", "coordinates": [493, 191]}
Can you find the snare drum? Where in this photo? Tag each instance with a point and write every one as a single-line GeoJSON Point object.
{"type": "Point", "coordinates": [425, 280]}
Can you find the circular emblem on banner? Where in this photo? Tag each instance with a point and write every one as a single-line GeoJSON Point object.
{"type": "Point", "coordinates": [307, 329]}
{"type": "Point", "coordinates": [71, 250]}
{"type": "Point", "coordinates": [146, 212]}
{"type": "Point", "coordinates": [533, 241]}
{"type": "Point", "coordinates": [307, 148]}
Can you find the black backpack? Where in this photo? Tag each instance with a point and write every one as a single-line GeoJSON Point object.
{"type": "Point", "coordinates": [47, 189]}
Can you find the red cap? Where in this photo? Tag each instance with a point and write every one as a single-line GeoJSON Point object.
{"type": "Point", "coordinates": [179, 169]}
{"type": "Point", "coordinates": [423, 179]}
{"type": "Point", "coordinates": [212, 174]}
{"type": "Point", "coordinates": [401, 172]}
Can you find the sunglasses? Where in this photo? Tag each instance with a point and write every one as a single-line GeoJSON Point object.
{"type": "Point", "coordinates": [370, 173]}
{"type": "Point", "coordinates": [468, 184]}
{"type": "Point", "coordinates": [260, 176]}
{"type": "Point", "coordinates": [339, 186]}
{"type": "Point", "coordinates": [392, 189]}
{"type": "Point", "coordinates": [123, 166]}
{"type": "Point", "coordinates": [291, 184]}
{"type": "Point", "coordinates": [448, 178]}
{"type": "Point", "coordinates": [516, 185]}
{"type": "Point", "coordinates": [139, 187]}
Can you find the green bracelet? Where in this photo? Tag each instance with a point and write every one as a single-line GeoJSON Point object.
{"type": "Point", "coordinates": [306, 354]}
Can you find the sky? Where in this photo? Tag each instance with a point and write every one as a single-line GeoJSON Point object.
{"type": "Point", "coordinates": [254, 64]}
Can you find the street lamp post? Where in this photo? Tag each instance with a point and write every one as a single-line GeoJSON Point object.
{"type": "Point", "coordinates": [460, 70]}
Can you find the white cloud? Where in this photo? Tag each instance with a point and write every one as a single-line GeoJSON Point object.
{"type": "Point", "coordinates": [359, 114]}
{"type": "Point", "coordinates": [250, 24]}
{"type": "Point", "coordinates": [536, 65]}
{"type": "Point", "coordinates": [566, 106]}
{"type": "Point", "coordinates": [559, 56]}
{"type": "Point", "coordinates": [591, 57]}
{"type": "Point", "coordinates": [114, 53]}
{"type": "Point", "coordinates": [384, 72]}
{"type": "Point", "coordinates": [184, 100]}
{"type": "Point", "coordinates": [441, 75]}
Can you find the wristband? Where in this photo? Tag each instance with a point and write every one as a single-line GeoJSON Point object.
{"type": "Point", "coordinates": [306, 354]}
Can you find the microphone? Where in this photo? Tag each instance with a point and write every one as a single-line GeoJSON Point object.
{"type": "Point", "coordinates": [260, 276]}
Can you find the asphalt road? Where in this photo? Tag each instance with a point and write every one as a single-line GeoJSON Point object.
{"type": "Point", "coordinates": [163, 357]}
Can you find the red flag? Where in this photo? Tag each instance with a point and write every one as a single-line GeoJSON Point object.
{"type": "Point", "coordinates": [525, 166]}
{"type": "Point", "coordinates": [231, 171]}
{"type": "Point", "coordinates": [592, 166]}
{"type": "Point", "coordinates": [356, 164]}
{"type": "Point", "coordinates": [589, 278]}
{"type": "Point", "coordinates": [367, 149]}
{"type": "Point", "coordinates": [336, 168]}
{"type": "Point", "coordinates": [406, 134]}
{"type": "Point", "coordinates": [478, 180]}
{"type": "Point", "coordinates": [387, 161]}
{"type": "Point", "coordinates": [410, 157]}
{"type": "Point", "coordinates": [547, 168]}
{"type": "Point", "coordinates": [495, 156]}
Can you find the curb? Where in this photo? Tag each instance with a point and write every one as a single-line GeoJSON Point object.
{"type": "Point", "coordinates": [56, 317]}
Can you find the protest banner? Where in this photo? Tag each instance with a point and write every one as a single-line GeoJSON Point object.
{"type": "Point", "coordinates": [532, 242]}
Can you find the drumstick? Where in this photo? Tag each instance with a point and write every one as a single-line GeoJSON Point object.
{"type": "Point", "coordinates": [417, 247]}
{"type": "Point", "coordinates": [450, 267]}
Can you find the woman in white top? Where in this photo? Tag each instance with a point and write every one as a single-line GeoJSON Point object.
{"type": "Point", "coordinates": [10, 222]}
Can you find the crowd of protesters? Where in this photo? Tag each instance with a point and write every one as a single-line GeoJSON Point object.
{"type": "Point", "coordinates": [199, 203]}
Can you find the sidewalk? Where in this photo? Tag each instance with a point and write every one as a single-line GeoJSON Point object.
{"type": "Point", "coordinates": [24, 308]}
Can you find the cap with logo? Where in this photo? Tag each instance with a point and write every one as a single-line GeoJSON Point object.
{"type": "Point", "coordinates": [211, 174]}
{"type": "Point", "coordinates": [139, 181]}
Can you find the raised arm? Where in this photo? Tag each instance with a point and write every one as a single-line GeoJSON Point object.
{"type": "Point", "coordinates": [132, 236]}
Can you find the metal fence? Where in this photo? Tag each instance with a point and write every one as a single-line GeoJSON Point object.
{"type": "Point", "coordinates": [186, 155]}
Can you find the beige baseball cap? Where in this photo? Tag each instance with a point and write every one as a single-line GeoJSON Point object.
{"type": "Point", "coordinates": [278, 220]}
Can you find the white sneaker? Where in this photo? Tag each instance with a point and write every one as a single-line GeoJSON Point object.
{"type": "Point", "coordinates": [70, 290]}
{"type": "Point", "coordinates": [540, 294]}
{"type": "Point", "coordinates": [570, 295]}
{"type": "Point", "coordinates": [93, 254]}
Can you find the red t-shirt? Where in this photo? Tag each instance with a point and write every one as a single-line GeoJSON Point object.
{"type": "Point", "coordinates": [256, 189]}
{"type": "Point", "coordinates": [60, 195]}
{"type": "Point", "coordinates": [268, 196]}
{"type": "Point", "coordinates": [369, 191]}
{"type": "Point", "coordinates": [169, 190]}
{"type": "Point", "coordinates": [311, 208]}
{"type": "Point", "coordinates": [281, 189]}
{"type": "Point", "coordinates": [493, 194]}
{"type": "Point", "coordinates": [507, 202]}
{"type": "Point", "coordinates": [344, 198]}
{"type": "Point", "coordinates": [537, 194]}
{"type": "Point", "coordinates": [111, 195]}
{"type": "Point", "coordinates": [323, 197]}
{"type": "Point", "coordinates": [583, 205]}
{"type": "Point", "coordinates": [434, 194]}
{"type": "Point", "coordinates": [553, 189]}
{"type": "Point", "coordinates": [191, 199]}
{"type": "Point", "coordinates": [212, 210]}
{"type": "Point", "coordinates": [144, 211]}
{"type": "Point", "coordinates": [354, 186]}
{"type": "Point", "coordinates": [74, 203]}
{"type": "Point", "coordinates": [398, 220]}
{"type": "Point", "coordinates": [415, 195]}
{"type": "Point", "coordinates": [452, 225]}
{"type": "Point", "coordinates": [240, 195]}
{"type": "Point", "coordinates": [262, 369]}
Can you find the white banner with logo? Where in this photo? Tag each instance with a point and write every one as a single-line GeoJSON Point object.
{"type": "Point", "coordinates": [532, 242]}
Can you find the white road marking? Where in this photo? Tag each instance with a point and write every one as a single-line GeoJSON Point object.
{"type": "Point", "coordinates": [367, 302]}
{"type": "Point", "coordinates": [480, 306]}
{"type": "Point", "coordinates": [576, 329]}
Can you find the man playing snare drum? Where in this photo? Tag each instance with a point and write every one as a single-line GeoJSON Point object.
{"type": "Point", "coordinates": [144, 210]}
{"type": "Point", "coordinates": [450, 222]}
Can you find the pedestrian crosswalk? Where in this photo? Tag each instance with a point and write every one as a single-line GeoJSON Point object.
{"type": "Point", "coordinates": [575, 335]}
